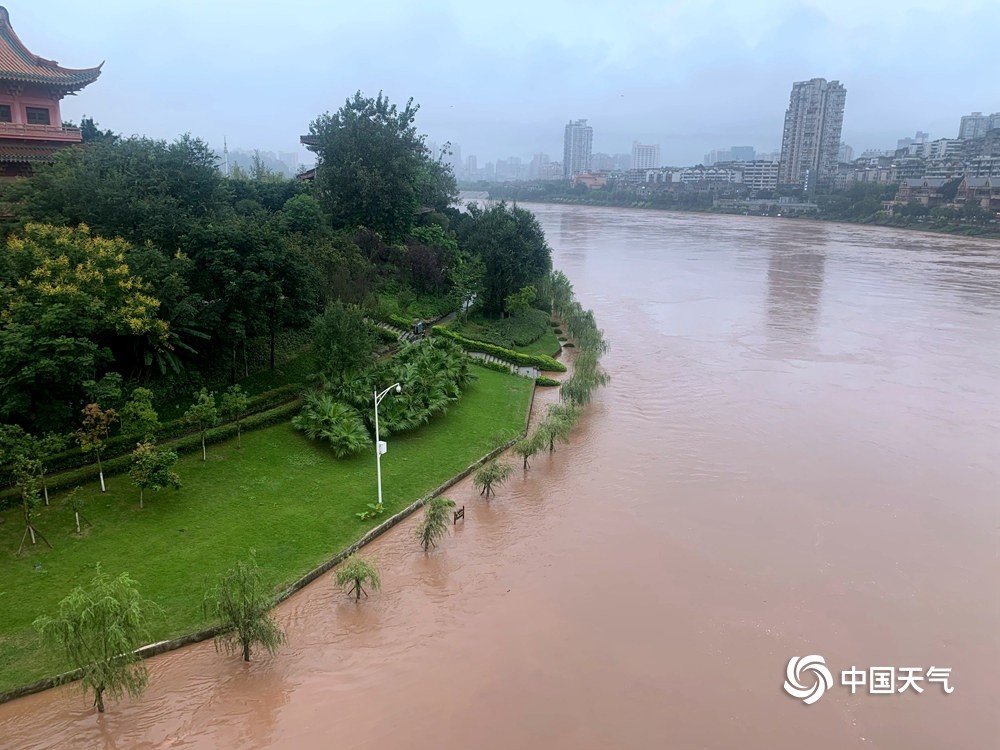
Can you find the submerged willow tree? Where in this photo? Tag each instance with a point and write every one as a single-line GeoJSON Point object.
{"type": "Point", "coordinates": [435, 523]}
{"type": "Point", "coordinates": [99, 628]}
{"type": "Point", "coordinates": [491, 474]}
{"type": "Point", "coordinates": [355, 573]}
{"type": "Point", "coordinates": [242, 601]}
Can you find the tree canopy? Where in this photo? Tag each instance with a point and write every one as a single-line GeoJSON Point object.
{"type": "Point", "coordinates": [373, 169]}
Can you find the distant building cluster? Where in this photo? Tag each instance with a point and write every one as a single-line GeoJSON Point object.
{"type": "Point", "coordinates": [813, 157]}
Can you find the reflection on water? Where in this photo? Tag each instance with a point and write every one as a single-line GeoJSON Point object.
{"type": "Point", "coordinates": [794, 288]}
{"type": "Point", "coordinates": [797, 454]}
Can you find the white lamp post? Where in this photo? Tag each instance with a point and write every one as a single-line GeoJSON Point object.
{"type": "Point", "coordinates": [380, 447]}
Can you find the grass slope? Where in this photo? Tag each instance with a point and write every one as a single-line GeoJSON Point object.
{"type": "Point", "coordinates": [281, 494]}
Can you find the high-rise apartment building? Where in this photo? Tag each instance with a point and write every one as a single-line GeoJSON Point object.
{"type": "Point", "coordinates": [645, 156]}
{"type": "Point", "coordinates": [977, 125]}
{"type": "Point", "coordinates": [810, 142]}
{"type": "Point", "coordinates": [577, 145]}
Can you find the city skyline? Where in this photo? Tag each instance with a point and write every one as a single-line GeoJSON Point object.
{"type": "Point", "coordinates": [691, 78]}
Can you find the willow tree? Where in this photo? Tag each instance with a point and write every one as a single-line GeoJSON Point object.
{"type": "Point", "coordinates": [243, 602]}
{"type": "Point", "coordinates": [435, 522]}
{"type": "Point", "coordinates": [490, 475]}
{"type": "Point", "coordinates": [98, 629]}
{"type": "Point", "coordinates": [528, 446]}
{"type": "Point", "coordinates": [355, 573]}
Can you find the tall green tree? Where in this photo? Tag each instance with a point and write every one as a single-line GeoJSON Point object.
{"type": "Point", "coordinates": [511, 244]}
{"type": "Point", "coordinates": [342, 340]}
{"type": "Point", "coordinates": [355, 573]}
{"type": "Point", "coordinates": [136, 188]}
{"type": "Point", "coordinates": [152, 468]}
{"type": "Point", "coordinates": [98, 629]}
{"type": "Point", "coordinates": [138, 417]}
{"type": "Point", "coordinates": [204, 415]}
{"type": "Point", "coordinates": [243, 603]}
{"type": "Point", "coordinates": [68, 303]}
{"type": "Point", "coordinates": [373, 169]}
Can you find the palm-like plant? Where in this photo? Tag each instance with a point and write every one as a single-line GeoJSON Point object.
{"type": "Point", "coordinates": [491, 474]}
{"type": "Point", "coordinates": [435, 523]}
{"type": "Point", "coordinates": [324, 418]}
{"type": "Point", "coordinates": [355, 573]}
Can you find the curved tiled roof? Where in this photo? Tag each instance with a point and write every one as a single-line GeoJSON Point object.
{"type": "Point", "coordinates": [28, 152]}
{"type": "Point", "coordinates": [19, 65]}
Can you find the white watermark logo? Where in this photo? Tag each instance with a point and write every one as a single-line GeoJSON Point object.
{"type": "Point", "coordinates": [821, 679]}
{"type": "Point", "coordinates": [808, 678]}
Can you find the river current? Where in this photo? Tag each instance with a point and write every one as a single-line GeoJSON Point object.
{"type": "Point", "coordinates": [798, 454]}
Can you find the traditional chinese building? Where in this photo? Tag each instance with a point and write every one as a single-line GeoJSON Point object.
{"type": "Point", "coordinates": [31, 88]}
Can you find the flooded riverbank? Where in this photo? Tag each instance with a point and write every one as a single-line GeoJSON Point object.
{"type": "Point", "coordinates": [797, 455]}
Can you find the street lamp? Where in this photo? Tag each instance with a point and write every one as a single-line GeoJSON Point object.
{"type": "Point", "coordinates": [380, 446]}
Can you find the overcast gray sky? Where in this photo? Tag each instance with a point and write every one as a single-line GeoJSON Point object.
{"type": "Point", "coordinates": [502, 78]}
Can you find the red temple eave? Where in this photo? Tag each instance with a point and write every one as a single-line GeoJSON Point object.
{"type": "Point", "coordinates": [18, 65]}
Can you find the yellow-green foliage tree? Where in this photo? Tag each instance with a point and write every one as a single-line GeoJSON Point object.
{"type": "Point", "coordinates": [67, 300]}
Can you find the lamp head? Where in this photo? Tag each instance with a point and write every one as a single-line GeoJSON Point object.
{"type": "Point", "coordinates": [399, 388]}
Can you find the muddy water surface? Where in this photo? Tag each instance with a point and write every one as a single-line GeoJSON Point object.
{"type": "Point", "coordinates": [799, 454]}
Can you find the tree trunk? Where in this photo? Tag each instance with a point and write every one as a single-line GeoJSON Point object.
{"type": "Point", "coordinates": [246, 652]}
{"type": "Point", "coordinates": [246, 364]}
{"type": "Point", "coordinates": [239, 433]}
{"type": "Point", "coordinates": [204, 455]}
{"type": "Point", "coordinates": [140, 500]}
{"type": "Point", "coordinates": [357, 591]}
{"type": "Point", "coordinates": [99, 698]}
{"type": "Point", "coordinates": [100, 472]}
{"type": "Point", "coordinates": [232, 369]}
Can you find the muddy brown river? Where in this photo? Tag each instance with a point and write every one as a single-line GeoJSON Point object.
{"type": "Point", "coordinates": [799, 454]}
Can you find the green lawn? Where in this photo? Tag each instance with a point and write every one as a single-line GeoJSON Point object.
{"type": "Point", "coordinates": [281, 494]}
{"type": "Point", "coordinates": [548, 345]}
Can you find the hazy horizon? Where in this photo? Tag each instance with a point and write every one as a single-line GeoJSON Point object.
{"type": "Point", "coordinates": [503, 82]}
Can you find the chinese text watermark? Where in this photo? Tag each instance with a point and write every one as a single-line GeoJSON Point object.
{"type": "Point", "coordinates": [808, 678]}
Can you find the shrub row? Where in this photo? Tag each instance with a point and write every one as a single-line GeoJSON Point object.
{"type": "Point", "coordinates": [119, 445]}
{"type": "Point", "coordinates": [385, 335]}
{"type": "Point", "coordinates": [540, 361]}
{"type": "Point", "coordinates": [544, 381]}
{"type": "Point", "coordinates": [186, 444]}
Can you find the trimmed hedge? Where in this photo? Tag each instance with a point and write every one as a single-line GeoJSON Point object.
{"type": "Point", "coordinates": [399, 320]}
{"type": "Point", "coordinates": [186, 444]}
{"type": "Point", "coordinates": [540, 361]}
{"type": "Point", "coordinates": [492, 365]}
{"type": "Point", "coordinates": [547, 382]}
{"type": "Point", "coordinates": [384, 335]}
